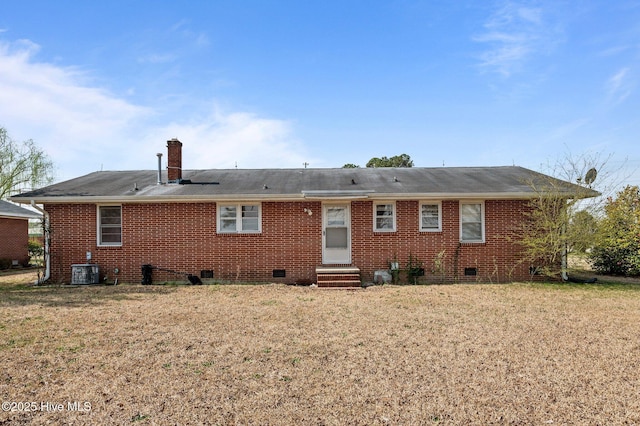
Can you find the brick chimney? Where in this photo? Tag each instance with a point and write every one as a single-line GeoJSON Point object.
{"type": "Point", "coordinates": [174, 160]}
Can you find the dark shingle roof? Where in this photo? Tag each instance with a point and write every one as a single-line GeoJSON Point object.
{"type": "Point", "coordinates": [415, 182]}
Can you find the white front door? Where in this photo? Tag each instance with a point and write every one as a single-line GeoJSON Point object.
{"type": "Point", "coordinates": [336, 234]}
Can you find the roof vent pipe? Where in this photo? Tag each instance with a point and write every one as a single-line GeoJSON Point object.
{"type": "Point", "coordinates": [159, 168]}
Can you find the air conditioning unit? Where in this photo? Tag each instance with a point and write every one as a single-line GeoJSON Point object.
{"type": "Point", "coordinates": [86, 273]}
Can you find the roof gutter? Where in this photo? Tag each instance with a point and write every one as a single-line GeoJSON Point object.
{"type": "Point", "coordinates": [336, 194]}
{"type": "Point", "coordinates": [299, 196]}
{"type": "Point", "coordinates": [47, 257]}
{"type": "Point", "coordinates": [19, 216]}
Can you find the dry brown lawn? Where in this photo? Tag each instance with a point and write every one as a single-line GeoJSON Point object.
{"type": "Point", "coordinates": [278, 355]}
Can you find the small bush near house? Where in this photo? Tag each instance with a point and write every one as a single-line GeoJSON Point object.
{"type": "Point", "coordinates": [5, 263]}
{"type": "Point", "coordinates": [35, 249]}
{"type": "Point", "coordinates": [615, 261]}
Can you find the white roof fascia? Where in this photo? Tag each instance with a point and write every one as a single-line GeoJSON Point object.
{"type": "Point", "coordinates": [336, 194]}
{"type": "Point", "coordinates": [18, 217]}
{"type": "Point", "coordinates": [158, 199]}
{"type": "Point", "coordinates": [457, 196]}
{"type": "Point", "coordinates": [305, 195]}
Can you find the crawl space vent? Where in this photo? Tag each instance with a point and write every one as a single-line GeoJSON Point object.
{"type": "Point", "coordinates": [279, 273]}
{"type": "Point", "coordinates": [471, 271]}
{"type": "Point", "coordinates": [206, 273]}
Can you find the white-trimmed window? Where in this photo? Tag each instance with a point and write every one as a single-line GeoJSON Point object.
{"type": "Point", "coordinates": [109, 225]}
{"type": "Point", "coordinates": [472, 221]}
{"type": "Point", "coordinates": [430, 216]}
{"type": "Point", "coordinates": [239, 218]}
{"type": "Point", "coordinates": [384, 217]}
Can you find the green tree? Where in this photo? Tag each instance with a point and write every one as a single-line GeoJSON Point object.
{"type": "Point", "coordinates": [350, 166]}
{"type": "Point", "coordinates": [582, 231]}
{"type": "Point", "coordinates": [22, 165]}
{"type": "Point", "coordinates": [558, 213]}
{"type": "Point", "coordinates": [617, 250]}
{"type": "Point", "coordinates": [544, 236]}
{"type": "Point", "coordinates": [402, 160]}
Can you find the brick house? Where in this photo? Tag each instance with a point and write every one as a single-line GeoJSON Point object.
{"type": "Point", "coordinates": [331, 226]}
{"type": "Point", "coordinates": [14, 234]}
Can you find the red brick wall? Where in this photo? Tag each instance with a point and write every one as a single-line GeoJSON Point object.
{"type": "Point", "coordinates": [14, 239]}
{"type": "Point", "coordinates": [496, 260]}
{"type": "Point", "coordinates": [182, 237]}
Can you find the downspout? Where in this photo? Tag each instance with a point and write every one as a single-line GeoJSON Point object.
{"type": "Point", "coordinates": [563, 264]}
{"type": "Point", "coordinates": [47, 257]}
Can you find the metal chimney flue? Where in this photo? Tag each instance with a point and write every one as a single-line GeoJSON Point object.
{"type": "Point", "coordinates": [159, 168]}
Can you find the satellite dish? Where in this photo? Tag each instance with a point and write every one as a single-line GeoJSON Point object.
{"type": "Point", "coordinates": [591, 175]}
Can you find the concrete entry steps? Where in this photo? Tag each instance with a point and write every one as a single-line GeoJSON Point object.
{"type": "Point", "coordinates": [338, 276]}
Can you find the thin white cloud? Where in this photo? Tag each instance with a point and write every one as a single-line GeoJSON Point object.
{"type": "Point", "coordinates": [616, 81]}
{"type": "Point", "coordinates": [513, 34]}
{"type": "Point", "coordinates": [178, 26]}
{"type": "Point", "coordinates": [157, 58]}
{"type": "Point", "coordinates": [619, 86]}
{"type": "Point", "coordinates": [57, 108]}
{"type": "Point", "coordinates": [530, 15]}
{"type": "Point", "coordinates": [200, 39]}
{"type": "Point", "coordinates": [178, 41]}
{"type": "Point", "coordinates": [229, 139]}
{"type": "Point", "coordinates": [615, 50]}
{"type": "Point", "coordinates": [567, 130]}
{"type": "Point", "coordinates": [86, 128]}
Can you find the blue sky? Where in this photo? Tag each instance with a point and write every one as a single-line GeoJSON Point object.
{"type": "Point", "coordinates": [104, 85]}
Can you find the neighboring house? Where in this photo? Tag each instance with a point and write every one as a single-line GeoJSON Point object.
{"type": "Point", "coordinates": [14, 234]}
{"type": "Point", "coordinates": [460, 224]}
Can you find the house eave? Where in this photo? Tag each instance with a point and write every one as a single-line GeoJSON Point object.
{"type": "Point", "coordinates": [320, 195]}
{"type": "Point", "coordinates": [337, 194]}
{"type": "Point", "coordinates": [457, 196]}
{"type": "Point", "coordinates": [311, 195]}
{"type": "Point", "coordinates": [156, 199]}
{"type": "Point", "coordinates": [17, 217]}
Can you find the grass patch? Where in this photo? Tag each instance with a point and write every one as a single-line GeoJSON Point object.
{"type": "Point", "coordinates": [459, 354]}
